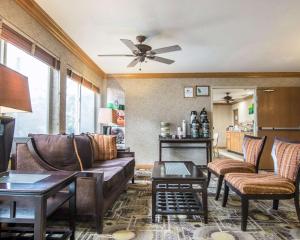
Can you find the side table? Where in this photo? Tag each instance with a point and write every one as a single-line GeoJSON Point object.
{"type": "Point", "coordinates": [34, 189]}
{"type": "Point", "coordinates": [168, 142]}
{"type": "Point", "coordinates": [125, 149]}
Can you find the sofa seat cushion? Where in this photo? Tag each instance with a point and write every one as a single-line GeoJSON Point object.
{"type": "Point", "coordinates": [113, 178]}
{"type": "Point", "coordinates": [224, 166]}
{"type": "Point", "coordinates": [262, 183]}
{"type": "Point", "coordinates": [127, 163]}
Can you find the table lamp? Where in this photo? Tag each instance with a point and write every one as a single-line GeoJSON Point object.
{"type": "Point", "coordinates": [14, 97]}
{"type": "Point", "coordinates": [107, 116]}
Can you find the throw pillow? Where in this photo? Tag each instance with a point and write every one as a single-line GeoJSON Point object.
{"type": "Point", "coordinates": [105, 147]}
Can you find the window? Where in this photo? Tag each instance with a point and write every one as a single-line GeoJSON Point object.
{"type": "Point", "coordinates": [87, 115]}
{"type": "Point", "coordinates": [81, 105]}
{"type": "Point", "coordinates": [72, 106]}
{"type": "Point", "coordinates": [38, 75]}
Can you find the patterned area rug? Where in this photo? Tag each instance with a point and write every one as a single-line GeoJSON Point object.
{"type": "Point", "coordinates": [130, 218]}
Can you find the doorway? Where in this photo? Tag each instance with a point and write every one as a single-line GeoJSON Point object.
{"type": "Point", "coordinates": [236, 116]}
{"type": "Point", "coordinates": [233, 116]}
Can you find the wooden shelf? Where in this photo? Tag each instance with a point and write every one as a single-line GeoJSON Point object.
{"type": "Point", "coordinates": [26, 233]}
{"type": "Point", "coordinates": [178, 203]}
{"type": "Point", "coordinates": [26, 213]}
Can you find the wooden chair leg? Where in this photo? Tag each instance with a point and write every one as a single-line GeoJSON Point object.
{"type": "Point", "coordinates": [220, 182]}
{"type": "Point", "coordinates": [225, 196]}
{"type": "Point", "coordinates": [244, 208]}
{"type": "Point", "coordinates": [275, 204]}
{"type": "Point", "coordinates": [208, 177]}
{"type": "Point", "coordinates": [296, 200]}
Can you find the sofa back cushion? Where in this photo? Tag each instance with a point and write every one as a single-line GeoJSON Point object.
{"type": "Point", "coordinates": [65, 152]}
{"type": "Point", "coordinates": [84, 148]}
{"type": "Point", "coordinates": [104, 147]}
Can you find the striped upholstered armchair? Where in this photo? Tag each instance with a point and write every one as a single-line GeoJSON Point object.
{"type": "Point", "coordinates": [252, 150]}
{"type": "Point", "coordinates": [282, 184]}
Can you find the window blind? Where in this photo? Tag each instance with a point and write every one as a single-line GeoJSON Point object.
{"type": "Point", "coordinates": [84, 82]}
{"type": "Point", "coordinates": [12, 36]}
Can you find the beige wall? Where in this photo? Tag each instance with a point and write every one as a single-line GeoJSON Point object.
{"type": "Point", "coordinates": [11, 12]}
{"type": "Point", "coordinates": [243, 111]}
{"type": "Point", "coordinates": [149, 101]}
{"type": "Point", "coordinates": [222, 118]}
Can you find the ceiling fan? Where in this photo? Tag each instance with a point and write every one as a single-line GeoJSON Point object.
{"type": "Point", "coordinates": [142, 52]}
{"type": "Point", "coordinates": [228, 98]}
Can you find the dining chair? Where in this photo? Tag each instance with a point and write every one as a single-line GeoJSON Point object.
{"type": "Point", "coordinates": [252, 150]}
{"type": "Point", "coordinates": [283, 183]}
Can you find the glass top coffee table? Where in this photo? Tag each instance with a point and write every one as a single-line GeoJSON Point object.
{"type": "Point", "coordinates": [179, 187]}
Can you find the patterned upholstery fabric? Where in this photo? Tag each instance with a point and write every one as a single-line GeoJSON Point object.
{"type": "Point", "coordinates": [286, 158]}
{"type": "Point", "coordinates": [104, 147]}
{"type": "Point", "coordinates": [251, 148]}
{"type": "Point", "coordinates": [224, 166]}
{"type": "Point", "coordinates": [263, 183]}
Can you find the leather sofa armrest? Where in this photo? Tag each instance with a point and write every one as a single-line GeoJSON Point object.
{"type": "Point", "coordinates": [125, 154]}
{"type": "Point", "coordinates": [13, 156]}
{"type": "Point", "coordinates": [25, 157]}
{"type": "Point", "coordinates": [98, 177]}
{"type": "Point", "coordinates": [90, 174]}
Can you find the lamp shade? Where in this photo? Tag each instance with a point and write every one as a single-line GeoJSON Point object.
{"type": "Point", "coordinates": [107, 116]}
{"type": "Point", "coordinates": [14, 91]}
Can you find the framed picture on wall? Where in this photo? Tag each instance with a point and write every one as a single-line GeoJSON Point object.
{"type": "Point", "coordinates": [188, 92]}
{"type": "Point", "coordinates": [202, 91]}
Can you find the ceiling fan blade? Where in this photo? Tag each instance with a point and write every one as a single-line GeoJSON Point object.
{"type": "Point", "coordinates": [130, 45]}
{"type": "Point", "coordinates": [115, 55]}
{"type": "Point", "coordinates": [162, 60]}
{"type": "Point", "coordinates": [134, 62]}
{"type": "Point", "coordinates": [166, 49]}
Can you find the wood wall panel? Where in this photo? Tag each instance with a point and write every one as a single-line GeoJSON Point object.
{"type": "Point", "coordinates": [266, 161]}
{"type": "Point", "coordinates": [280, 108]}
{"type": "Point", "coordinates": [277, 109]}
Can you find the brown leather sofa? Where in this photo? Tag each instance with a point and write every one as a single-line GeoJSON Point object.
{"type": "Point", "coordinates": [99, 184]}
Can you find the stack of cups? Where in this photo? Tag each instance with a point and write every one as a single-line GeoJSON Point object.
{"type": "Point", "coordinates": [164, 129]}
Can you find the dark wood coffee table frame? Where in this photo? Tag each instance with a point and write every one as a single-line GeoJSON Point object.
{"type": "Point", "coordinates": [42, 210]}
{"type": "Point", "coordinates": [177, 195]}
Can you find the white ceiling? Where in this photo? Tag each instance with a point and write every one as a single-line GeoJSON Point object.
{"type": "Point", "coordinates": [215, 35]}
{"type": "Point", "coordinates": [237, 94]}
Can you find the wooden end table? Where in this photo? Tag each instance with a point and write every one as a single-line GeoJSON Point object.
{"type": "Point", "coordinates": [178, 192]}
{"type": "Point", "coordinates": [17, 187]}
